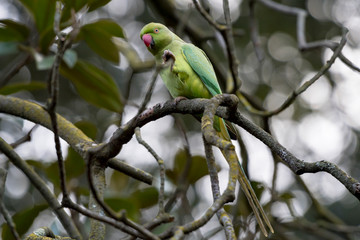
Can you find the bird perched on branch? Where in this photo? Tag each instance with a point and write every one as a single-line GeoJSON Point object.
{"type": "Point", "coordinates": [188, 73]}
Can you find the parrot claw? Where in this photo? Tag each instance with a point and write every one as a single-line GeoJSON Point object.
{"type": "Point", "coordinates": [168, 55]}
{"type": "Point", "coordinates": [178, 99]}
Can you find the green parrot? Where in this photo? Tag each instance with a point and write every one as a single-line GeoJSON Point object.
{"type": "Point", "coordinates": [188, 73]}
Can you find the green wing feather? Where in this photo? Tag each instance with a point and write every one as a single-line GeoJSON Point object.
{"type": "Point", "coordinates": [202, 66]}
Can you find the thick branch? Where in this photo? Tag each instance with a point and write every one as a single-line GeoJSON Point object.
{"type": "Point", "coordinates": [196, 106]}
{"type": "Point", "coordinates": [80, 142]}
{"type": "Point", "coordinates": [67, 131]}
{"type": "Point", "coordinates": [222, 215]}
{"type": "Point", "coordinates": [37, 114]}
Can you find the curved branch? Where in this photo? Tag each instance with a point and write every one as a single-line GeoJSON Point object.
{"type": "Point", "coordinates": [292, 97]}
{"type": "Point", "coordinates": [67, 131]}
{"type": "Point", "coordinates": [222, 215]}
{"type": "Point", "coordinates": [300, 30]}
{"type": "Point", "coordinates": [37, 114]}
{"type": "Point", "coordinates": [80, 142]}
{"type": "Point", "coordinates": [208, 18]}
{"type": "Point", "coordinates": [195, 106]}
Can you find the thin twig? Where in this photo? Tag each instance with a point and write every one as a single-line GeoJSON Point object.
{"type": "Point", "coordinates": [230, 47]}
{"type": "Point", "coordinates": [13, 68]}
{"type": "Point", "coordinates": [3, 209]}
{"type": "Point", "coordinates": [322, 210]}
{"type": "Point", "coordinates": [182, 183]}
{"type": "Point", "coordinates": [300, 30]}
{"type": "Point", "coordinates": [41, 186]}
{"type": "Point", "coordinates": [254, 32]}
{"type": "Point", "coordinates": [292, 97]}
{"type": "Point", "coordinates": [160, 161]}
{"type": "Point", "coordinates": [113, 222]}
{"type": "Point", "coordinates": [227, 33]}
{"type": "Point", "coordinates": [25, 138]}
{"type": "Point", "coordinates": [53, 86]}
{"type": "Point", "coordinates": [149, 91]}
{"type": "Point", "coordinates": [207, 16]}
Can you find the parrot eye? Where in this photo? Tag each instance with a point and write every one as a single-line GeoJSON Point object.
{"type": "Point", "coordinates": [156, 30]}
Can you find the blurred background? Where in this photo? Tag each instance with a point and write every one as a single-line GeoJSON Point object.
{"type": "Point", "coordinates": [322, 124]}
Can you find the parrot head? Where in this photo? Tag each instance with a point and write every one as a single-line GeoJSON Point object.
{"type": "Point", "coordinates": [156, 37]}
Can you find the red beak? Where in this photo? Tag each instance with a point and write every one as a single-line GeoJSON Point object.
{"type": "Point", "coordinates": [148, 40]}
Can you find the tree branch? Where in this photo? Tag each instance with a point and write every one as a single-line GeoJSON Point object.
{"type": "Point", "coordinates": [227, 33]}
{"type": "Point", "coordinates": [41, 187]}
{"type": "Point", "coordinates": [300, 30]}
{"type": "Point", "coordinates": [131, 171]}
{"type": "Point", "coordinates": [292, 97]}
{"type": "Point", "coordinates": [207, 16]}
{"type": "Point", "coordinates": [123, 134]}
{"type": "Point", "coordinates": [222, 215]}
{"type": "Point", "coordinates": [36, 113]}
{"type": "Point", "coordinates": [67, 131]}
{"type": "Point", "coordinates": [96, 180]}
{"type": "Point", "coordinates": [3, 209]}
{"type": "Point", "coordinates": [53, 87]}
{"type": "Point", "coordinates": [160, 161]}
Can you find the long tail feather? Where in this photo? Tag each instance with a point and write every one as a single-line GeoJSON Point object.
{"type": "Point", "coordinates": [259, 212]}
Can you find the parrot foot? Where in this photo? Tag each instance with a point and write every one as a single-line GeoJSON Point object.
{"type": "Point", "coordinates": [178, 99]}
{"type": "Point", "coordinates": [168, 55]}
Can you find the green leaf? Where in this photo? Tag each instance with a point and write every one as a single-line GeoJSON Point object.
{"type": "Point", "coordinates": [79, 4]}
{"type": "Point", "coordinates": [108, 26]}
{"type": "Point", "coordinates": [198, 168]}
{"type": "Point", "coordinates": [16, 87]}
{"type": "Point", "coordinates": [88, 128]}
{"type": "Point", "coordinates": [47, 37]}
{"type": "Point", "coordinates": [98, 36]}
{"type": "Point", "coordinates": [12, 31]}
{"type": "Point", "coordinates": [23, 221]}
{"type": "Point", "coordinates": [8, 48]}
{"type": "Point", "coordinates": [43, 12]}
{"type": "Point", "coordinates": [100, 42]}
{"type": "Point", "coordinates": [74, 165]}
{"type": "Point", "coordinates": [95, 4]}
{"type": "Point", "coordinates": [76, 5]}
{"type": "Point", "coordinates": [146, 197]}
{"type": "Point", "coordinates": [127, 204]}
{"type": "Point", "coordinates": [94, 85]}
{"type": "Point", "coordinates": [118, 182]}
{"type": "Point", "coordinates": [51, 170]}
